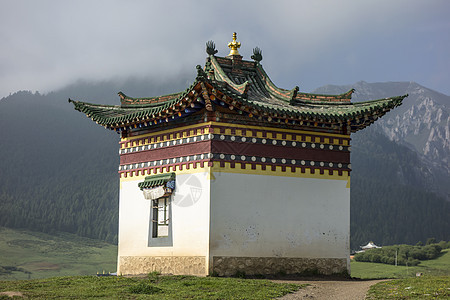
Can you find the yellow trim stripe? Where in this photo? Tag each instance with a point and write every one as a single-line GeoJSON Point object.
{"type": "Point", "coordinates": [171, 169]}
{"type": "Point", "coordinates": [278, 172]}
{"type": "Point", "coordinates": [127, 139]}
{"type": "Point", "coordinates": [195, 131]}
{"type": "Point", "coordinates": [238, 170]}
{"type": "Point", "coordinates": [280, 129]}
{"type": "Point", "coordinates": [197, 128]}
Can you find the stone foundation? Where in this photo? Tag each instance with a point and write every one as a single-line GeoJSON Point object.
{"type": "Point", "coordinates": [177, 265]}
{"type": "Point", "coordinates": [228, 266]}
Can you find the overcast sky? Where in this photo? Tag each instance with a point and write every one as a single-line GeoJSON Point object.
{"type": "Point", "coordinates": [46, 45]}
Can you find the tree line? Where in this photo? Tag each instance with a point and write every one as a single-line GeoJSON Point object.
{"type": "Point", "coordinates": [59, 173]}
{"type": "Point", "coordinates": [405, 255]}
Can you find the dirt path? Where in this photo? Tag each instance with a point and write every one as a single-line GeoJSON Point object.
{"type": "Point", "coordinates": [11, 294]}
{"type": "Point", "coordinates": [330, 289]}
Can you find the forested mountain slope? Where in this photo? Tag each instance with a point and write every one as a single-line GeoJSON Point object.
{"type": "Point", "coordinates": [58, 172]}
{"type": "Point", "coordinates": [388, 203]}
{"type": "Point", "coordinates": [58, 169]}
{"type": "Point", "coordinates": [422, 123]}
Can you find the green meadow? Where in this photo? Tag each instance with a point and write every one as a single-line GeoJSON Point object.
{"type": "Point", "coordinates": [30, 255]}
{"type": "Point", "coordinates": [434, 283]}
{"type": "Point", "coordinates": [424, 287]}
{"type": "Point", "coordinates": [152, 287]}
{"type": "Point", "coordinates": [435, 267]}
{"type": "Point", "coordinates": [42, 266]}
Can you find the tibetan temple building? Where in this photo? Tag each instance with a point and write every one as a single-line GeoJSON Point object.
{"type": "Point", "coordinates": [235, 174]}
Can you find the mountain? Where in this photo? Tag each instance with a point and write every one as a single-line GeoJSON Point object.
{"type": "Point", "coordinates": [58, 170]}
{"type": "Point", "coordinates": [400, 166]}
{"type": "Point", "coordinates": [388, 201]}
{"type": "Point", "coordinates": [421, 123]}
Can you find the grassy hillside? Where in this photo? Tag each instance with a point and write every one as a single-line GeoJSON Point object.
{"type": "Point", "coordinates": [432, 287]}
{"type": "Point", "coordinates": [153, 287]}
{"type": "Point", "coordinates": [435, 267]}
{"type": "Point", "coordinates": [29, 255]}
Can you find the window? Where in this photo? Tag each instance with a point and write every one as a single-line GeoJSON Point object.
{"type": "Point", "coordinates": [160, 227]}
{"type": "Point", "coordinates": [158, 190]}
{"type": "Point", "coordinates": [160, 217]}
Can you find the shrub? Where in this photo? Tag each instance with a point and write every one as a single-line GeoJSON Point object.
{"type": "Point", "coordinates": [391, 261]}
{"type": "Point", "coordinates": [418, 254]}
{"type": "Point", "coordinates": [153, 276]}
{"type": "Point", "coordinates": [405, 254]}
{"type": "Point", "coordinates": [444, 244]}
{"type": "Point", "coordinates": [361, 256]}
{"type": "Point", "coordinates": [144, 288]}
{"type": "Point", "coordinates": [430, 241]}
{"type": "Point", "coordinates": [432, 251]}
{"type": "Point", "coordinates": [413, 262]}
{"type": "Point", "coordinates": [376, 258]}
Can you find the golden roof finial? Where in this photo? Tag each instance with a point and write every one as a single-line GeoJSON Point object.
{"type": "Point", "coordinates": [234, 46]}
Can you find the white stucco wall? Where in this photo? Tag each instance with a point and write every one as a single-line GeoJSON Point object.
{"type": "Point", "coordinates": [190, 218]}
{"type": "Point", "coordinates": [275, 216]}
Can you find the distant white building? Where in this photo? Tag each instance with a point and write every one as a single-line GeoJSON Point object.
{"type": "Point", "coordinates": [370, 245]}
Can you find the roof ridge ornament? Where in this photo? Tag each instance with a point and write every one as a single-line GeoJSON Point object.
{"type": "Point", "coordinates": [257, 54]}
{"type": "Point", "coordinates": [234, 46]}
{"type": "Point", "coordinates": [200, 72]}
{"type": "Point", "coordinates": [211, 48]}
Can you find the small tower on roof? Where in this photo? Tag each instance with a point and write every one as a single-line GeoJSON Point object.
{"type": "Point", "coordinates": [234, 46]}
{"type": "Point", "coordinates": [235, 174]}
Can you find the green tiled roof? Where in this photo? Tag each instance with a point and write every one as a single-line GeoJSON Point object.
{"type": "Point", "coordinates": [244, 86]}
{"type": "Point", "coordinates": [125, 100]}
{"type": "Point", "coordinates": [129, 112]}
{"type": "Point", "coordinates": [156, 180]}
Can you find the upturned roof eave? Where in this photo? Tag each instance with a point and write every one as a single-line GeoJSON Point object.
{"type": "Point", "coordinates": [270, 87]}
{"type": "Point", "coordinates": [220, 75]}
{"type": "Point", "coordinates": [129, 101]}
{"type": "Point", "coordinates": [296, 108]}
{"type": "Point", "coordinates": [149, 111]}
{"type": "Point", "coordinates": [115, 116]}
{"type": "Point", "coordinates": [130, 112]}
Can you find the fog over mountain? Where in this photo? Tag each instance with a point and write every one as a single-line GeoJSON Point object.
{"type": "Point", "coordinates": [47, 45]}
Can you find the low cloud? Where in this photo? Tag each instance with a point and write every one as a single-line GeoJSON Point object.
{"type": "Point", "coordinates": [49, 44]}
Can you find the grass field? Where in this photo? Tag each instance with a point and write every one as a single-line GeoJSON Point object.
{"type": "Point", "coordinates": [44, 258]}
{"type": "Point", "coordinates": [425, 287]}
{"type": "Point", "coordinates": [29, 255]}
{"type": "Point", "coordinates": [434, 283]}
{"type": "Point", "coordinates": [34, 255]}
{"type": "Point", "coordinates": [436, 267]}
{"type": "Point", "coordinates": [153, 287]}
